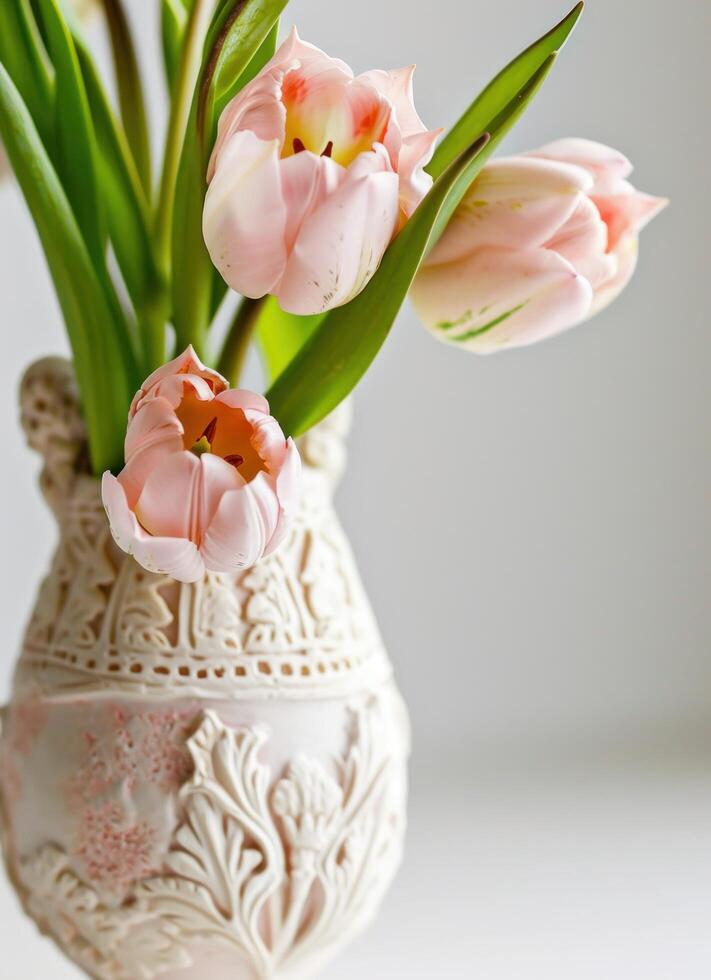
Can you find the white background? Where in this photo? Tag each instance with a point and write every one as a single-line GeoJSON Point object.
{"type": "Point", "coordinates": [532, 529]}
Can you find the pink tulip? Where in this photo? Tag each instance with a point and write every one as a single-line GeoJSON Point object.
{"type": "Point", "coordinates": [210, 482]}
{"type": "Point", "coordinates": [541, 242]}
{"type": "Point", "coordinates": [313, 172]}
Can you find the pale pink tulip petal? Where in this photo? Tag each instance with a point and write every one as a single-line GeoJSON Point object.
{"type": "Point", "coordinates": [627, 212]}
{"type": "Point", "coordinates": [170, 556]}
{"type": "Point", "coordinates": [515, 202]}
{"type": "Point", "coordinates": [341, 244]}
{"type": "Point", "coordinates": [583, 242]}
{"type": "Point", "coordinates": [407, 140]}
{"type": "Point", "coordinates": [124, 526]}
{"type": "Point", "coordinates": [154, 424]}
{"type": "Point", "coordinates": [415, 182]}
{"type": "Point", "coordinates": [602, 161]}
{"type": "Point", "coordinates": [295, 51]}
{"type": "Point", "coordinates": [625, 257]}
{"type": "Point", "coordinates": [176, 557]}
{"type": "Point", "coordinates": [307, 182]}
{"type": "Point", "coordinates": [499, 297]}
{"type": "Point", "coordinates": [186, 363]}
{"type": "Point", "coordinates": [397, 87]}
{"type": "Point", "coordinates": [244, 220]}
{"type": "Point", "coordinates": [259, 109]}
{"type": "Point", "coordinates": [167, 381]}
{"type": "Point", "coordinates": [267, 439]}
{"type": "Point", "coordinates": [173, 390]}
{"type": "Point", "coordinates": [181, 495]}
{"type": "Point", "coordinates": [375, 161]}
{"type": "Point", "coordinates": [217, 477]}
{"type": "Point", "coordinates": [288, 490]}
{"type": "Point", "coordinates": [169, 500]}
{"type": "Point", "coordinates": [243, 399]}
{"type": "Point", "coordinates": [242, 527]}
{"type": "Point", "coordinates": [153, 433]}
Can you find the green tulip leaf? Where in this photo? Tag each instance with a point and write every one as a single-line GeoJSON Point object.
{"type": "Point", "coordinates": [173, 20]}
{"type": "Point", "coordinates": [105, 389]}
{"type": "Point", "coordinates": [25, 58]}
{"type": "Point", "coordinates": [240, 38]}
{"type": "Point", "coordinates": [76, 156]}
{"type": "Point", "coordinates": [127, 212]}
{"type": "Point", "coordinates": [130, 89]}
{"type": "Point", "coordinates": [480, 116]}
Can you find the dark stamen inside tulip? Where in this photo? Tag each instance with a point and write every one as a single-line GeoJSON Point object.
{"type": "Point", "coordinates": [204, 443]}
{"type": "Point", "coordinates": [298, 145]}
{"type": "Point", "coordinates": [328, 152]}
{"type": "Point", "coordinates": [234, 459]}
{"type": "Point", "coordinates": [210, 430]}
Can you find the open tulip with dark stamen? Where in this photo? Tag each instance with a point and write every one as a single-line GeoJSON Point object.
{"type": "Point", "coordinates": [210, 482]}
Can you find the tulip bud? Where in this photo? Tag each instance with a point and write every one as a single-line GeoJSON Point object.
{"type": "Point", "coordinates": [541, 242]}
{"type": "Point", "coordinates": [210, 482]}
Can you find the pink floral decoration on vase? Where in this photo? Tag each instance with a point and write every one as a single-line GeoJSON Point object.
{"type": "Point", "coordinates": [540, 243]}
{"type": "Point", "coordinates": [313, 172]}
{"type": "Point", "coordinates": [210, 482]}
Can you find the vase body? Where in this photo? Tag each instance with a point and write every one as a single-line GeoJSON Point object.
{"type": "Point", "coordinates": [202, 780]}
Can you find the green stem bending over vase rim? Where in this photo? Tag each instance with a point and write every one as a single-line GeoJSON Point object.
{"type": "Point", "coordinates": [239, 337]}
{"type": "Point", "coordinates": [85, 172]}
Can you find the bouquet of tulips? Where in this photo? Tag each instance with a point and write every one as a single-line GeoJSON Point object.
{"type": "Point", "coordinates": [318, 196]}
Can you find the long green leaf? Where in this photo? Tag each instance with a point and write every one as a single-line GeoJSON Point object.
{"type": "Point", "coordinates": [173, 20]}
{"type": "Point", "coordinates": [126, 207]}
{"type": "Point", "coordinates": [234, 42]}
{"type": "Point", "coordinates": [181, 103]}
{"type": "Point", "coordinates": [498, 94]}
{"type": "Point", "coordinates": [76, 160]}
{"type": "Point", "coordinates": [76, 155]}
{"type": "Point", "coordinates": [500, 126]}
{"type": "Point", "coordinates": [130, 89]}
{"type": "Point", "coordinates": [24, 56]}
{"type": "Point", "coordinates": [104, 387]}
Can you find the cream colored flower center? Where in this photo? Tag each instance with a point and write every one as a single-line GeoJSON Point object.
{"type": "Point", "coordinates": [332, 116]}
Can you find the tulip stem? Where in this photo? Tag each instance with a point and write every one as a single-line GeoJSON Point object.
{"type": "Point", "coordinates": [130, 89]}
{"type": "Point", "coordinates": [239, 337]}
{"type": "Point", "coordinates": [188, 71]}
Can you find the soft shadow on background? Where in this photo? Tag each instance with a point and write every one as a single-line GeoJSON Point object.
{"type": "Point", "coordinates": [533, 531]}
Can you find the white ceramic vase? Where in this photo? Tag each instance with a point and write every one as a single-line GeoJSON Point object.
{"type": "Point", "coordinates": [200, 780]}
